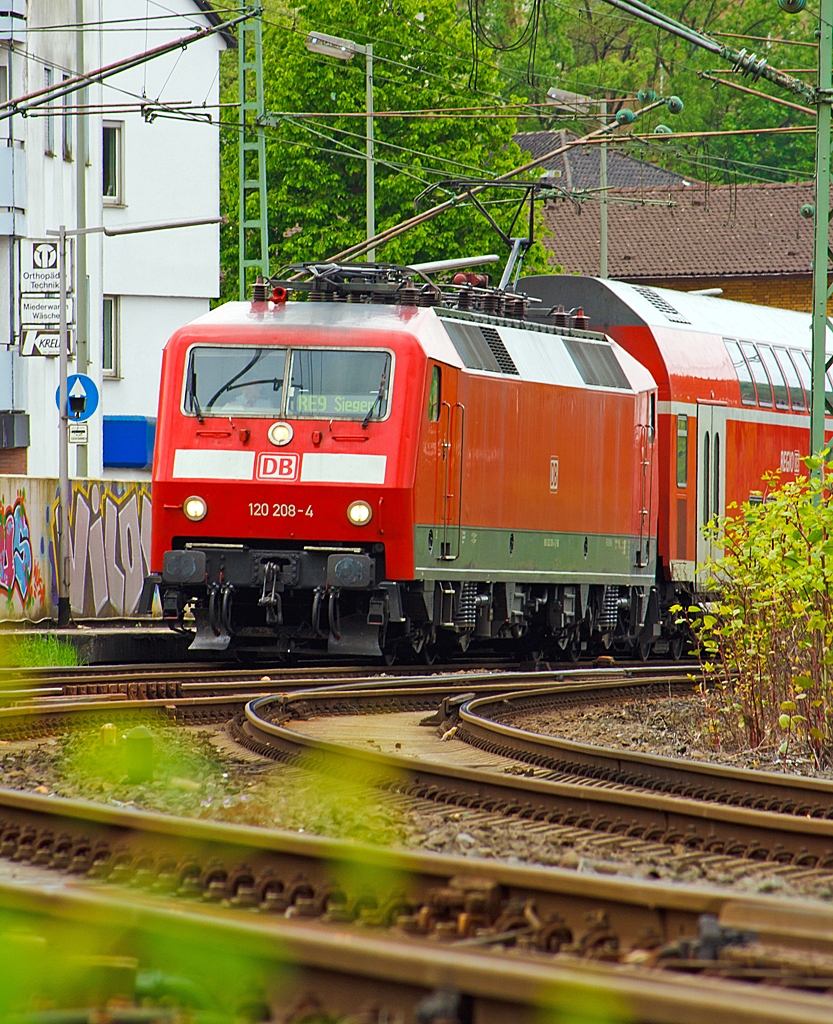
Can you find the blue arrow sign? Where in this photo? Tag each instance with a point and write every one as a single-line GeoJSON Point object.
{"type": "Point", "coordinates": [81, 390]}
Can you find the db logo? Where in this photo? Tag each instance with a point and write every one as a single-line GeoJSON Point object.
{"type": "Point", "coordinates": [277, 467]}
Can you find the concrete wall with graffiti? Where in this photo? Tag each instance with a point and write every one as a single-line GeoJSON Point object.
{"type": "Point", "coordinates": [109, 547]}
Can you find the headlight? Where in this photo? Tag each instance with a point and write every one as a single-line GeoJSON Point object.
{"type": "Point", "coordinates": [280, 433]}
{"type": "Point", "coordinates": [194, 508]}
{"type": "Point", "coordinates": [359, 513]}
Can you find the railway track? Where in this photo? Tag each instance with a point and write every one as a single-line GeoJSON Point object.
{"type": "Point", "coordinates": [301, 971]}
{"type": "Point", "coordinates": [179, 679]}
{"type": "Point", "coordinates": [396, 926]}
{"type": "Point", "coordinates": [198, 697]}
{"type": "Point", "coordinates": [674, 953]}
{"type": "Point", "coordinates": [707, 810]}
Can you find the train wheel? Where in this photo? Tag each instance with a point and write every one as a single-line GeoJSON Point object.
{"type": "Point", "coordinates": [676, 647]}
{"type": "Point", "coordinates": [429, 653]}
{"type": "Point", "coordinates": [389, 655]}
{"type": "Point", "coordinates": [573, 651]}
{"type": "Point", "coordinates": [643, 649]}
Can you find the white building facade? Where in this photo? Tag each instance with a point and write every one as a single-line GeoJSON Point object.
{"type": "Point", "coordinates": [131, 150]}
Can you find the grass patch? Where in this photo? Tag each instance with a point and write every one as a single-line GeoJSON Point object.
{"type": "Point", "coordinates": [186, 767]}
{"type": "Point", "coordinates": [37, 652]}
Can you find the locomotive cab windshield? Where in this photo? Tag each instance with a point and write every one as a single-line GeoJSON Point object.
{"type": "Point", "coordinates": [294, 383]}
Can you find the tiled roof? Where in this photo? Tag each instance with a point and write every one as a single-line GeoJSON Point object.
{"type": "Point", "coordinates": [579, 166]}
{"type": "Point", "coordinates": [707, 231]}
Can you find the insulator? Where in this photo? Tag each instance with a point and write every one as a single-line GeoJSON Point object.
{"type": "Point", "coordinates": [464, 298]}
{"type": "Point", "coordinates": [646, 95]}
{"type": "Point", "coordinates": [259, 290]}
{"type": "Point", "coordinates": [492, 302]}
{"type": "Point", "coordinates": [625, 116]}
{"type": "Point", "coordinates": [559, 317]}
{"type": "Point", "coordinates": [675, 105]}
{"type": "Point", "coordinates": [379, 298]}
{"type": "Point", "coordinates": [662, 129]}
{"type": "Point", "coordinates": [580, 319]}
{"type": "Point", "coordinates": [807, 211]}
{"type": "Point", "coordinates": [515, 306]}
{"type": "Point", "coordinates": [316, 296]}
{"type": "Point", "coordinates": [407, 294]}
{"type": "Point", "coordinates": [429, 297]}
{"type": "Point", "coordinates": [792, 6]}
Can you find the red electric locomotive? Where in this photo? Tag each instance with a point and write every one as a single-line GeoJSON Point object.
{"type": "Point", "coordinates": [402, 473]}
{"type": "Point", "coordinates": [734, 399]}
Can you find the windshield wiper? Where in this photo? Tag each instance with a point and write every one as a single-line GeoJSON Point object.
{"type": "Point", "coordinates": [377, 400]}
{"type": "Point", "coordinates": [191, 393]}
{"type": "Point", "coordinates": [230, 383]}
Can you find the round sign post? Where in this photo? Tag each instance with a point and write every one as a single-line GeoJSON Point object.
{"type": "Point", "coordinates": [82, 397]}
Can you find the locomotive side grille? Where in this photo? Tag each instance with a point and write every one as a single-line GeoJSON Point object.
{"type": "Point", "coordinates": [597, 364]}
{"type": "Point", "coordinates": [682, 528]}
{"type": "Point", "coordinates": [658, 302]}
{"type": "Point", "coordinates": [498, 350]}
{"type": "Point", "coordinates": [480, 348]}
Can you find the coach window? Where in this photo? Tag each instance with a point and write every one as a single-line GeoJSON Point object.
{"type": "Point", "coordinates": [339, 384]}
{"type": "Point", "coordinates": [807, 377]}
{"type": "Point", "coordinates": [434, 394]}
{"type": "Point", "coordinates": [779, 385]}
{"type": "Point", "coordinates": [801, 362]}
{"type": "Point", "coordinates": [682, 451]}
{"type": "Point", "coordinates": [748, 395]}
{"type": "Point", "coordinates": [233, 380]}
{"type": "Point", "coordinates": [793, 380]}
{"type": "Point", "coordinates": [759, 374]}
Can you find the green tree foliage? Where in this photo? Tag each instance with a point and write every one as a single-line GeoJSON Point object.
{"type": "Point", "coordinates": [769, 636]}
{"type": "Point", "coordinates": [316, 169]}
{"type": "Point", "coordinates": [595, 49]}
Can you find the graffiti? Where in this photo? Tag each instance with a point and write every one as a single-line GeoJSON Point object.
{"type": "Point", "coordinates": [16, 550]}
{"type": "Point", "coordinates": [108, 547]}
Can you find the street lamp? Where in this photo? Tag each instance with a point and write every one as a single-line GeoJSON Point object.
{"type": "Point", "coordinates": [346, 49]}
{"type": "Point", "coordinates": [64, 400]}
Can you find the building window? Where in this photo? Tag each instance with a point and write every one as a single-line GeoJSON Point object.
{"type": "Point", "coordinates": [110, 337]}
{"type": "Point", "coordinates": [49, 120]}
{"type": "Point", "coordinates": [66, 126]}
{"type": "Point", "coordinates": [111, 164]}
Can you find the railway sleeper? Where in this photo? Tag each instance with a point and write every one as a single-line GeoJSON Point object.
{"type": "Point", "coordinates": [465, 909]}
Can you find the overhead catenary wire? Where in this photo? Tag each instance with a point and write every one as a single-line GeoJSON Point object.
{"type": "Point", "coordinates": [21, 104]}
{"type": "Point", "coordinates": [419, 219]}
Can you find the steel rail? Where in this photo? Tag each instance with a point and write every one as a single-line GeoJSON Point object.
{"type": "Point", "coordinates": [320, 878]}
{"type": "Point", "coordinates": [40, 713]}
{"type": "Point", "coordinates": [346, 970]}
{"type": "Point", "coordinates": [698, 824]}
{"type": "Point", "coordinates": [788, 794]}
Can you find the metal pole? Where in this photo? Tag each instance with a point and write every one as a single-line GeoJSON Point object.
{"type": "Point", "coordinates": [822, 219]}
{"type": "Point", "coordinates": [81, 297]}
{"type": "Point", "coordinates": [603, 197]}
{"type": "Point", "coordinates": [371, 185]}
{"type": "Point", "coordinates": [62, 563]}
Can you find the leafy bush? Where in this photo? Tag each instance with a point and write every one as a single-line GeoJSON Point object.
{"type": "Point", "coordinates": [768, 636]}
